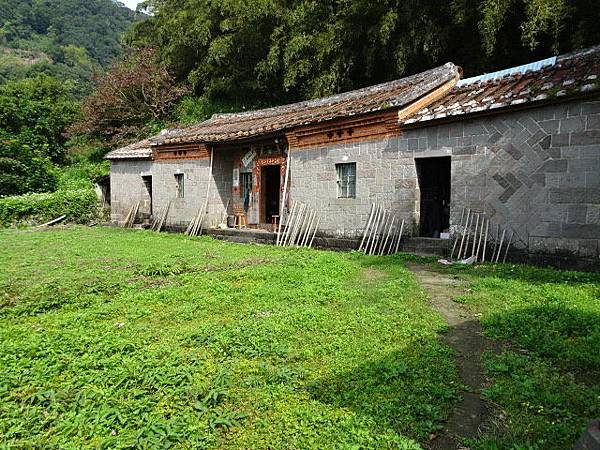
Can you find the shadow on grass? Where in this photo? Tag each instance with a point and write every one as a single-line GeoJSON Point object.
{"type": "Point", "coordinates": [410, 390]}
{"type": "Point", "coordinates": [567, 336]}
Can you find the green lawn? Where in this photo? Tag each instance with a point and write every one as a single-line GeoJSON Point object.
{"type": "Point", "coordinates": [113, 338]}
{"type": "Point", "coordinates": [546, 383]}
{"type": "Point", "coordinates": [119, 339]}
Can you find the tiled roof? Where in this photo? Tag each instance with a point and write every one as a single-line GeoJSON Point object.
{"type": "Point", "coordinates": [236, 126]}
{"type": "Point", "coordinates": [554, 79]}
{"type": "Point", "coordinates": [137, 150]}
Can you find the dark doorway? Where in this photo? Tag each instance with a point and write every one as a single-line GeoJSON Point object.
{"type": "Point", "coordinates": [148, 185]}
{"type": "Point", "coordinates": [271, 182]}
{"type": "Point", "coordinates": [434, 184]}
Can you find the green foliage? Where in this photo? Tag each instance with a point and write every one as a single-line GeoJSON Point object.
{"type": "Point", "coordinates": [83, 175]}
{"type": "Point", "coordinates": [197, 343]}
{"type": "Point", "coordinates": [71, 36]}
{"type": "Point", "coordinates": [548, 390]}
{"type": "Point", "coordinates": [191, 109]}
{"type": "Point", "coordinates": [23, 168]}
{"type": "Point", "coordinates": [78, 205]}
{"type": "Point", "coordinates": [252, 53]}
{"type": "Point", "coordinates": [545, 408]}
{"type": "Point", "coordinates": [35, 111]}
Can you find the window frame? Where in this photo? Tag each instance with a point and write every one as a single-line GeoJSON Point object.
{"type": "Point", "coordinates": [179, 185]}
{"type": "Point", "coordinates": [345, 188]}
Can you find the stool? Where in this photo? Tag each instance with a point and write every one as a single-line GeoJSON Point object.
{"type": "Point", "coordinates": [239, 221]}
{"type": "Point", "coordinates": [274, 221]}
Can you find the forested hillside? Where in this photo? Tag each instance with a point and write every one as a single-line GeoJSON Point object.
{"type": "Point", "coordinates": [64, 38]}
{"type": "Point", "coordinates": [187, 59]}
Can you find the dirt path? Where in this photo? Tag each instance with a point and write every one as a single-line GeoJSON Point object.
{"type": "Point", "coordinates": [464, 336]}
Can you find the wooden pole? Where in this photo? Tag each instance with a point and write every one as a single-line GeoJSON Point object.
{"type": "Point", "coordinates": [371, 231]}
{"type": "Point", "coordinates": [475, 236]}
{"type": "Point", "coordinates": [480, 237]}
{"type": "Point", "coordinates": [487, 227]}
{"type": "Point", "coordinates": [210, 176]}
{"type": "Point", "coordinates": [283, 200]}
{"type": "Point", "coordinates": [462, 241]}
{"type": "Point", "coordinates": [367, 226]}
{"type": "Point", "coordinates": [287, 224]}
{"type": "Point", "coordinates": [385, 243]}
{"type": "Point", "coordinates": [399, 237]}
{"type": "Point", "coordinates": [379, 231]}
{"type": "Point", "coordinates": [501, 242]}
{"type": "Point", "coordinates": [314, 232]}
{"type": "Point", "coordinates": [462, 216]}
{"type": "Point", "coordinates": [508, 246]}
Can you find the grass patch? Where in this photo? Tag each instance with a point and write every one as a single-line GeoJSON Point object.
{"type": "Point", "coordinates": [547, 386]}
{"type": "Point", "coordinates": [117, 339]}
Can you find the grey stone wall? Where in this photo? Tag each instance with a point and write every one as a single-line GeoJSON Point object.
{"type": "Point", "coordinates": [536, 171]}
{"type": "Point", "coordinates": [127, 187]}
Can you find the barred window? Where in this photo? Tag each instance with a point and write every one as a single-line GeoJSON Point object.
{"type": "Point", "coordinates": [179, 193]}
{"type": "Point", "coordinates": [346, 180]}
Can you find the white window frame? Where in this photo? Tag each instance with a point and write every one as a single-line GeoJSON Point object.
{"type": "Point", "coordinates": [346, 179]}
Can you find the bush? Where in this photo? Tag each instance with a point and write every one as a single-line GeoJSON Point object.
{"type": "Point", "coordinates": [78, 205]}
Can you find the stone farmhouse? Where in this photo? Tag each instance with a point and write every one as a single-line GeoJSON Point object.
{"type": "Point", "coordinates": [521, 146]}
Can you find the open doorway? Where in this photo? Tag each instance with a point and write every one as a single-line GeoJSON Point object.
{"type": "Point", "coordinates": [271, 183]}
{"type": "Point", "coordinates": [147, 179]}
{"type": "Point", "coordinates": [434, 184]}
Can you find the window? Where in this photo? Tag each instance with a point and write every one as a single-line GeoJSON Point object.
{"type": "Point", "coordinates": [179, 185]}
{"type": "Point", "coordinates": [346, 180]}
{"type": "Point", "coordinates": [246, 183]}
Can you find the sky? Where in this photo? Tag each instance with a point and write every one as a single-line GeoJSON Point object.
{"type": "Point", "coordinates": [131, 4]}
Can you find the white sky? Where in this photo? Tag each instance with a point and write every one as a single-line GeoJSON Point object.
{"type": "Point", "coordinates": [131, 4]}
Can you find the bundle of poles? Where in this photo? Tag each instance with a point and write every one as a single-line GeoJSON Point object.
{"type": "Point", "coordinates": [472, 239]}
{"type": "Point", "coordinates": [161, 218]}
{"type": "Point", "coordinates": [197, 223]}
{"type": "Point", "coordinates": [300, 227]}
{"type": "Point", "coordinates": [383, 232]}
{"type": "Point", "coordinates": [131, 215]}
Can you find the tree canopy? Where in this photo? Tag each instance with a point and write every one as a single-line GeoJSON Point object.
{"type": "Point", "coordinates": [272, 51]}
{"type": "Point", "coordinates": [33, 115]}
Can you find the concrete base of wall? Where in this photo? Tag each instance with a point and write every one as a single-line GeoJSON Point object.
{"type": "Point", "coordinates": [415, 245]}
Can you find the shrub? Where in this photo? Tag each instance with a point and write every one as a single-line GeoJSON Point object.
{"type": "Point", "coordinates": [78, 205]}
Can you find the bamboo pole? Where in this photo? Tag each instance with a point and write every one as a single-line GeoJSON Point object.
{"type": "Point", "coordinates": [480, 237]}
{"type": "Point", "coordinates": [508, 246]}
{"type": "Point", "coordinates": [385, 243]}
{"type": "Point", "coordinates": [367, 227]}
{"type": "Point", "coordinates": [487, 227]}
{"type": "Point", "coordinates": [287, 224]}
{"type": "Point", "coordinates": [399, 237]}
{"type": "Point", "coordinates": [379, 230]}
{"type": "Point", "coordinates": [376, 230]}
{"type": "Point", "coordinates": [296, 225]}
{"type": "Point", "coordinates": [314, 232]}
{"type": "Point", "coordinates": [501, 242]}
{"type": "Point", "coordinates": [371, 231]}
{"type": "Point", "coordinates": [462, 216]}
{"type": "Point", "coordinates": [496, 242]}
{"type": "Point", "coordinates": [283, 200]}
{"type": "Point", "coordinates": [475, 236]}
{"type": "Point", "coordinates": [210, 177]}
{"type": "Point", "coordinates": [462, 241]}
{"type": "Point", "coordinates": [288, 238]}
{"type": "Point", "coordinates": [305, 235]}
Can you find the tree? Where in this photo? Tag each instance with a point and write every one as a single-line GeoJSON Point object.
{"type": "Point", "coordinates": [132, 94]}
{"type": "Point", "coordinates": [35, 111]}
{"type": "Point", "coordinates": [273, 51]}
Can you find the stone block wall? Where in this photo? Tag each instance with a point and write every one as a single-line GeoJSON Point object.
{"type": "Point", "coordinates": [127, 187]}
{"type": "Point", "coordinates": [535, 171]}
